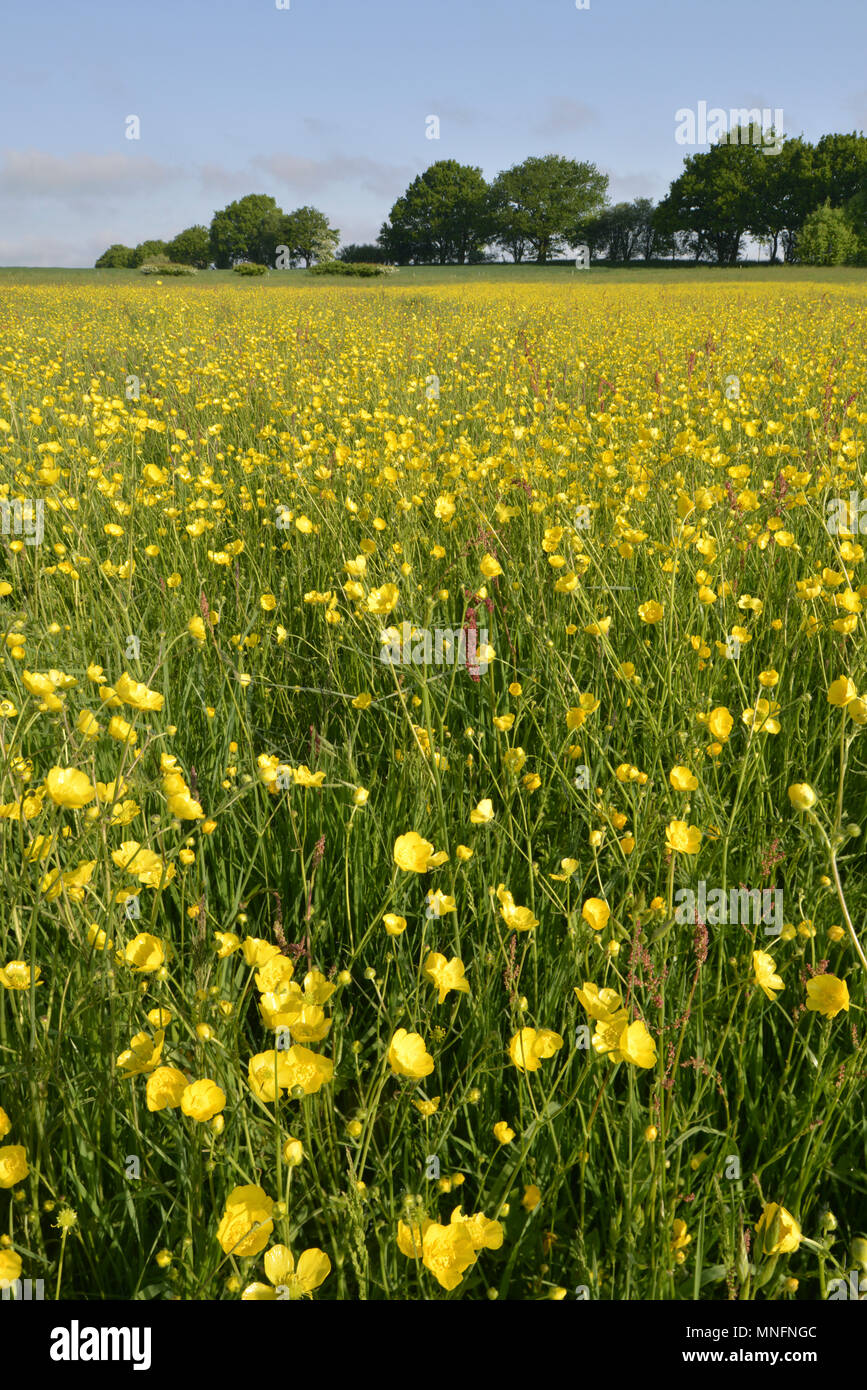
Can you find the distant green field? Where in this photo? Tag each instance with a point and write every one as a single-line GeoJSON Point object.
{"type": "Point", "coordinates": [448, 274]}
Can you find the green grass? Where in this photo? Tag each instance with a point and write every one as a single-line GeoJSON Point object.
{"type": "Point", "coordinates": [462, 274]}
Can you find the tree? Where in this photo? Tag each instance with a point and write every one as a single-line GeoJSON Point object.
{"type": "Point", "coordinates": [509, 229]}
{"type": "Point", "coordinates": [542, 203]}
{"type": "Point", "coordinates": [621, 232]}
{"type": "Point", "coordinates": [856, 212]}
{"type": "Point", "coordinates": [676, 240]}
{"type": "Point", "coordinates": [401, 244]}
{"type": "Point", "coordinates": [717, 198]}
{"type": "Point", "coordinates": [827, 238]}
{"type": "Point", "coordinates": [443, 216]}
{"type": "Point", "coordinates": [840, 168]}
{"type": "Point", "coordinates": [191, 247]}
{"type": "Point", "coordinates": [307, 234]}
{"type": "Point", "coordinates": [146, 250]}
{"type": "Point", "coordinates": [275, 231]}
{"type": "Point", "coordinates": [651, 242]}
{"type": "Point", "coordinates": [786, 193]}
{"type": "Point", "coordinates": [237, 232]}
{"type": "Point", "coordinates": [117, 257]}
{"type": "Point", "coordinates": [368, 253]}
{"type": "Point", "coordinates": [737, 187]}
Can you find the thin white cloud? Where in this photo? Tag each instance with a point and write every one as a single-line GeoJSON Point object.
{"type": "Point", "coordinates": [37, 174]}
{"type": "Point", "coordinates": [49, 251]}
{"type": "Point", "coordinates": [625, 188]}
{"type": "Point", "coordinates": [566, 115]}
{"type": "Point", "coordinates": [229, 183]}
{"type": "Point", "coordinates": [126, 197]}
{"type": "Point", "coordinates": [314, 125]}
{"type": "Point", "coordinates": [303, 175]}
{"type": "Point", "coordinates": [464, 117]}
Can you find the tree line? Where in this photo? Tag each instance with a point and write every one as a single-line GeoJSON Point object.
{"type": "Point", "coordinates": [253, 229]}
{"type": "Point", "coordinates": [808, 202]}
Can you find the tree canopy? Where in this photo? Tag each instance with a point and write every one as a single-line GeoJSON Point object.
{"type": "Point", "coordinates": [541, 204]}
{"type": "Point", "coordinates": [191, 247]}
{"type": "Point", "coordinates": [443, 215]}
{"type": "Point", "coordinates": [740, 187]}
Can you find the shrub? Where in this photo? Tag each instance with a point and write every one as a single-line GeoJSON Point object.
{"type": "Point", "coordinates": [190, 247]}
{"type": "Point", "coordinates": [117, 257]}
{"type": "Point", "coordinates": [827, 238]}
{"type": "Point", "coordinates": [368, 252]}
{"type": "Point", "coordinates": [363, 268]}
{"type": "Point", "coordinates": [152, 250]}
{"type": "Point", "coordinates": [249, 268]}
{"type": "Point", "coordinates": [161, 265]}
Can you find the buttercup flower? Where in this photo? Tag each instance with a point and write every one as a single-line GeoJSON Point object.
{"type": "Point", "coordinates": [625, 1042]}
{"type": "Point", "coordinates": [13, 1164]}
{"type": "Point", "coordinates": [16, 975]}
{"type": "Point", "coordinates": [408, 1056]}
{"type": "Point", "coordinates": [410, 1237]}
{"type": "Point", "coordinates": [446, 975]}
{"type": "Point", "coordinates": [720, 723]}
{"type": "Point", "coordinates": [802, 796]}
{"type": "Point", "coordinates": [604, 1005]}
{"type": "Point", "coordinates": [10, 1268]}
{"type": "Point", "coordinates": [68, 787]}
{"type": "Point", "coordinates": [412, 853]}
{"type": "Point", "coordinates": [139, 696]}
{"type": "Point", "coordinates": [145, 952]}
{"type": "Point", "coordinates": [165, 1087]}
{"type": "Point", "coordinates": [827, 995]}
{"type": "Point", "coordinates": [516, 918]}
{"type": "Point", "coordinates": [287, 1280]}
{"type": "Point", "coordinates": [680, 1237]}
{"type": "Point", "coordinates": [529, 1047]}
{"type": "Point", "coordinates": [257, 951]}
{"type": "Point", "coordinates": [202, 1100]}
{"type": "Point", "coordinates": [842, 691]}
{"type": "Point", "coordinates": [447, 1251]}
{"type": "Point", "coordinates": [143, 1053]}
{"type": "Point", "coordinates": [651, 612]}
{"type": "Point", "coordinates": [778, 1231]}
{"type": "Point", "coordinates": [760, 718]}
{"type": "Point", "coordinates": [682, 838]}
{"type": "Point", "coordinates": [765, 976]}
{"type": "Point", "coordinates": [301, 1067]}
{"type": "Point", "coordinates": [682, 779]}
{"type": "Point", "coordinates": [246, 1225]}
{"type": "Point", "coordinates": [596, 913]}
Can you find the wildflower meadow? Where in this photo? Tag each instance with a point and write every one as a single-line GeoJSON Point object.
{"type": "Point", "coordinates": [433, 735]}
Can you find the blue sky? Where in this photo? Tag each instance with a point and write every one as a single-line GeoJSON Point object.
{"type": "Point", "coordinates": [326, 102]}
